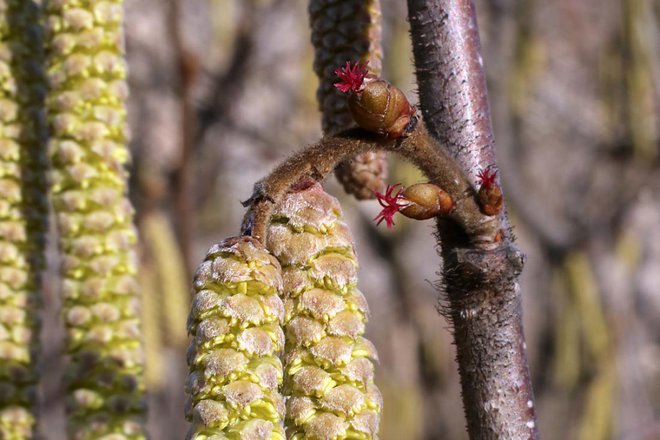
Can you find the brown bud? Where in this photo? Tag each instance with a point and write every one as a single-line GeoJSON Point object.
{"type": "Point", "coordinates": [381, 107]}
{"type": "Point", "coordinates": [490, 199]}
{"type": "Point", "coordinates": [426, 201]}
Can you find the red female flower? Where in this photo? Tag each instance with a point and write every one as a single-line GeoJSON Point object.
{"type": "Point", "coordinates": [486, 177]}
{"type": "Point", "coordinates": [391, 204]}
{"type": "Point", "coordinates": [352, 77]}
{"type": "Point", "coordinates": [489, 194]}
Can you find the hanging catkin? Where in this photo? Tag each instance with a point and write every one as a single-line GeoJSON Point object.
{"type": "Point", "coordinates": [235, 323]}
{"type": "Point", "coordinates": [328, 369]}
{"type": "Point", "coordinates": [86, 112]}
{"type": "Point", "coordinates": [23, 213]}
{"type": "Point", "coordinates": [347, 30]}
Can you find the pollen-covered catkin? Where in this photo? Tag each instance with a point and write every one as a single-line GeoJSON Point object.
{"type": "Point", "coordinates": [23, 213]}
{"type": "Point", "coordinates": [97, 239]}
{"type": "Point", "coordinates": [347, 30]}
{"type": "Point", "coordinates": [235, 322]}
{"type": "Point", "coordinates": [328, 368]}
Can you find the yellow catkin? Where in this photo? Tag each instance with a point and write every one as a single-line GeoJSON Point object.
{"type": "Point", "coordinates": [86, 113]}
{"type": "Point", "coordinates": [347, 30]}
{"type": "Point", "coordinates": [328, 368]}
{"type": "Point", "coordinates": [235, 322]}
{"type": "Point", "coordinates": [23, 212]}
{"type": "Point", "coordinates": [170, 276]}
{"type": "Point", "coordinates": [155, 374]}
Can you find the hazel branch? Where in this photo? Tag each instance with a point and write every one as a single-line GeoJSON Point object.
{"type": "Point", "coordinates": [318, 160]}
{"type": "Point", "coordinates": [483, 299]}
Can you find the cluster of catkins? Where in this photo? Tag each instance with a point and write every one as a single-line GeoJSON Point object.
{"type": "Point", "coordinates": [278, 332]}
{"type": "Point", "coordinates": [62, 121]}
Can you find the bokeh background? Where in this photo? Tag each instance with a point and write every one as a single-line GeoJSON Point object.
{"type": "Point", "coordinates": [224, 89]}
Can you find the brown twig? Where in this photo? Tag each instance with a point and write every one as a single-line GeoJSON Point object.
{"type": "Point", "coordinates": [483, 298]}
{"type": "Point", "coordinates": [183, 175]}
{"type": "Point", "coordinates": [318, 160]}
{"type": "Point", "coordinates": [452, 85]}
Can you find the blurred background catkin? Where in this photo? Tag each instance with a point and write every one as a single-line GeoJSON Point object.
{"type": "Point", "coordinates": [221, 90]}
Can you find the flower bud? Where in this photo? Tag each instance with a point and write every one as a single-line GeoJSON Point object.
{"type": "Point", "coordinates": [426, 200]}
{"type": "Point", "coordinates": [375, 104]}
{"type": "Point", "coordinates": [420, 201]}
{"type": "Point", "coordinates": [490, 193]}
{"type": "Point", "coordinates": [490, 199]}
{"type": "Point", "coordinates": [381, 107]}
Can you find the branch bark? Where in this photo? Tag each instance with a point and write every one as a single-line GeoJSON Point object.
{"type": "Point", "coordinates": [483, 299]}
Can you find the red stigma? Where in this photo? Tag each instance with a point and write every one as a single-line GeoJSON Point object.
{"type": "Point", "coordinates": [391, 204]}
{"type": "Point", "coordinates": [352, 77]}
{"type": "Point", "coordinates": [487, 176]}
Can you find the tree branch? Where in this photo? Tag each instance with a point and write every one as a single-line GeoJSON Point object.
{"type": "Point", "coordinates": [318, 160]}
{"type": "Point", "coordinates": [483, 296]}
{"type": "Point", "coordinates": [451, 81]}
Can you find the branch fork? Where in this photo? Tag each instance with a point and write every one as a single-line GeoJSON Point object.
{"type": "Point", "coordinates": [318, 160]}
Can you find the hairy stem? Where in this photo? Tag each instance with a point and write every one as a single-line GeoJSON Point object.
{"type": "Point", "coordinates": [483, 295]}
{"type": "Point", "coordinates": [318, 160]}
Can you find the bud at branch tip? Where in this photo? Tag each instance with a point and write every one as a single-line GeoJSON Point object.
{"type": "Point", "coordinates": [375, 104]}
